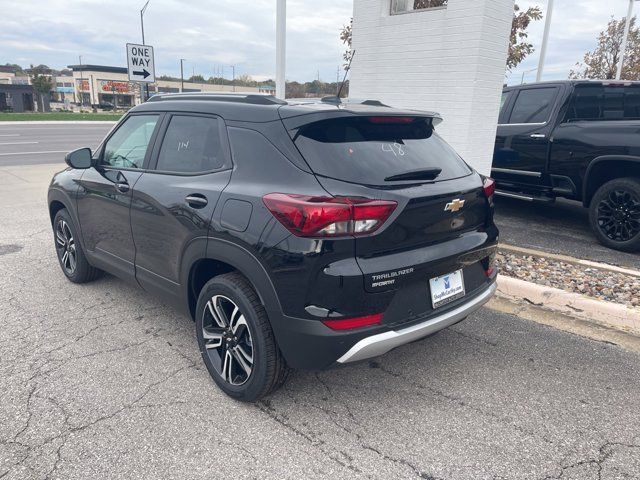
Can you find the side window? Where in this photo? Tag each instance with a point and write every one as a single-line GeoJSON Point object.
{"type": "Point", "coordinates": [604, 102]}
{"type": "Point", "coordinates": [128, 145]}
{"type": "Point", "coordinates": [504, 101]}
{"type": "Point", "coordinates": [533, 105]}
{"type": "Point", "coordinates": [191, 144]}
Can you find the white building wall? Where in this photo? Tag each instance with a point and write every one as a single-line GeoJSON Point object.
{"type": "Point", "coordinates": [450, 60]}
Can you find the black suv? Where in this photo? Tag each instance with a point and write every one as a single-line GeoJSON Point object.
{"type": "Point", "coordinates": [576, 139]}
{"type": "Point", "coordinates": [297, 235]}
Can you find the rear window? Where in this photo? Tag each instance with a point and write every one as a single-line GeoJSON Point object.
{"type": "Point", "coordinates": [367, 150]}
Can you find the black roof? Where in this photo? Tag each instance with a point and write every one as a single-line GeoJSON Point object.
{"type": "Point", "coordinates": [97, 68]}
{"type": "Point", "coordinates": [252, 107]}
{"type": "Point", "coordinates": [572, 82]}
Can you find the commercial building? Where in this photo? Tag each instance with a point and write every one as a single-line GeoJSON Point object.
{"type": "Point", "coordinates": [101, 85]}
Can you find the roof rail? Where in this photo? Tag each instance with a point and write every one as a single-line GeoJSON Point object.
{"type": "Point", "coordinates": [239, 97]}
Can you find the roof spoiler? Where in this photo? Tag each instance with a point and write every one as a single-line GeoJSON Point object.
{"type": "Point", "coordinates": [334, 100]}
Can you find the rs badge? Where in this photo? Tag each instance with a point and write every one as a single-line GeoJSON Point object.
{"type": "Point", "coordinates": [454, 205]}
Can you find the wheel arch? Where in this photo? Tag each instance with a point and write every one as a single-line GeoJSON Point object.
{"type": "Point", "coordinates": [605, 168]}
{"type": "Point", "coordinates": [206, 258]}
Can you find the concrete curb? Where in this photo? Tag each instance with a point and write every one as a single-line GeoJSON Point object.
{"type": "Point", "coordinates": [609, 314]}
{"type": "Point", "coordinates": [571, 260]}
{"type": "Point", "coordinates": [59, 122]}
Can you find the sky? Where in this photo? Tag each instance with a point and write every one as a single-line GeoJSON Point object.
{"type": "Point", "coordinates": [574, 30]}
{"type": "Point", "coordinates": [215, 34]}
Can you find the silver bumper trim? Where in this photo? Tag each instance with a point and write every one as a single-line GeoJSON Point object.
{"type": "Point", "coordinates": [381, 343]}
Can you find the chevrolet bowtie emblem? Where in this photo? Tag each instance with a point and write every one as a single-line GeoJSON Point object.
{"type": "Point", "coordinates": [454, 205]}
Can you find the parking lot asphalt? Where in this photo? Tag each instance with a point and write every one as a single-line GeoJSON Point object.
{"type": "Point", "coordinates": [104, 381]}
{"type": "Point", "coordinates": [33, 144]}
{"type": "Point", "coordinates": [560, 227]}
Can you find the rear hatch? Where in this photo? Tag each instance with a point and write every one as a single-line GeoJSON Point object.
{"type": "Point", "coordinates": [441, 220]}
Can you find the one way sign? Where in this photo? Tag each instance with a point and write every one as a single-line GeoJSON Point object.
{"type": "Point", "coordinates": [140, 63]}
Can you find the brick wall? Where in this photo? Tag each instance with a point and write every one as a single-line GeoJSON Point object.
{"type": "Point", "coordinates": [449, 60]}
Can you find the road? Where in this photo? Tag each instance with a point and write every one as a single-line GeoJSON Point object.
{"type": "Point", "coordinates": [558, 228]}
{"type": "Point", "coordinates": [33, 144]}
{"type": "Point", "coordinates": [104, 381]}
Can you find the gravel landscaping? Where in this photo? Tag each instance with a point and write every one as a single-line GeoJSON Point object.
{"type": "Point", "coordinates": [592, 282]}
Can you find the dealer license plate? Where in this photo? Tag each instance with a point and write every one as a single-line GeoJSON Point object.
{"type": "Point", "coordinates": [446, 288]}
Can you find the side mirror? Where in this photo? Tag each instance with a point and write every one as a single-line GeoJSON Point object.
{"type": "Point", "coordinates": [80, 158]}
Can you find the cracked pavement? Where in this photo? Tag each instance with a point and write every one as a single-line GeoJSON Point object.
{"type": "Point", "coordinates": [104, 381]}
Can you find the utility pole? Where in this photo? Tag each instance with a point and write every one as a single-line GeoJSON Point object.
{"type": "Point", "coordinates": [81, 83]}
{"type": "Point", "coordinates": [545, 39]}
{"type": "Point", "coordinates": [181, 75]}
{"type": "Point", "coordinates": [233, 78]}
{"type": "Point", "coordinates": [281, 47]}
{"type": "Point", "coordinates": [625, 37]}
{"type": "Point", "coordinates": [143, 97]}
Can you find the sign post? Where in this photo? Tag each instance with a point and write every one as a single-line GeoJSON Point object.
{"type": "Point", "coordinates": [140, 63]}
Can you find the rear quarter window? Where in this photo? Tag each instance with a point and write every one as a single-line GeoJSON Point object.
{"type": "Point", "coordinates": [367, 150]}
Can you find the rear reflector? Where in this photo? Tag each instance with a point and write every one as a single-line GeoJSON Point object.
{"type": "Point", "coordinates": [356, 322]}
{"type": "Point", "coordinates": [308, 216]}
{"type": "Point", "coordinates": [489, 187]}
{"type": "Point", "coordinates": [489, 271]}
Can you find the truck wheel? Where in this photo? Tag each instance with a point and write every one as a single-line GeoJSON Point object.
{"type": "Point", "coordinates": [614, 214]}
{"type": "Point", "coordinates": [236, 340]}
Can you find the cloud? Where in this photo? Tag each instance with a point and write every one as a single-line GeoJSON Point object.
{"type": "Point", "coordinates": [209, 35]}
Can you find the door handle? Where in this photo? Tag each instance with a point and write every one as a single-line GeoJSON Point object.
{"type": "Point", "coordinates": [538, 135]}
{"type": "Point", "coordinates": [122, 187]}
{"type": "Point", "coordinates": [196, 200]}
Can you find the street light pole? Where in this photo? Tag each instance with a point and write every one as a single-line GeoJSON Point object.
{"type": "Point", "coordinates": [545, 39]}
{"type": "Point", "coordinates": [525, 72]}
{"type": "Point", "coordinates": [233, 77]}
{"type": "Point", "coordinates": [623, 48]}
{"type": "Point", "coordinates": [281, 47]}
{"type": "Point", "coordinates": [144, 96]}
{"type": "Point", "coordinates": [181, 76]}
{"type": "Point", "coordinates": [81, 83]}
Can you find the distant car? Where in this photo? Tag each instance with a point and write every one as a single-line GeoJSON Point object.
{"type": "Point", "coordinates": [578, 140]}
{"type": "Point", "coordinates": [295, 234]}
{"type": "Point", "coordinates": [105, 106]}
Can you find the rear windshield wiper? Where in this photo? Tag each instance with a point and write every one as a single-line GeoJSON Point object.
{"type": "Point", "coordinates": [422, 174]}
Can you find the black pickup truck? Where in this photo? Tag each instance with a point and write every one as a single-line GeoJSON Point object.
{"type": "Point", "coordinates": [579, 140]}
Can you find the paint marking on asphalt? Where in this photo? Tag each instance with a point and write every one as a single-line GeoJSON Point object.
{"type": "Point", "coordinates": [33, 153]}
{"type": "Point", "coordinates": [9, 134]}
{"type": "Point", "coordinates": [17, 143]}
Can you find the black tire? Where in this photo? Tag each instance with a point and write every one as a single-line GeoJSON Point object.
{"type": "Point", "coordinates": [253, 335]}
{"type": "Point", "coordinates": [80, 270]}
{"type": "Point", "coordinates": [614, 214]}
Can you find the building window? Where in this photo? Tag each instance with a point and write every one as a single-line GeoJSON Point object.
{"type": "Point", "coordinates": [407, 6]}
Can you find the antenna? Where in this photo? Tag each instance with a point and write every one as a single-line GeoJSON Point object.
{"type": "Point", "coordinates": [346, 72]}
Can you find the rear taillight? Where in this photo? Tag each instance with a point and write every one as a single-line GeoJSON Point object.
{"type": "Point", "coordinates": [489, 187]}
{"type": "Point", "coordinates": [356, 322]}
{"type": "Point", "coordinates": [391, 119]}
{"type": "Point", "coordinates": [308, 216]}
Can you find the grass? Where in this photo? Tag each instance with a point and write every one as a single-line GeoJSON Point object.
{"type": "Point", "coordinates": [11, 117]}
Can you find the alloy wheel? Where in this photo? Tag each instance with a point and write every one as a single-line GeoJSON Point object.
{"type": "Point", "coordinates": [66, 247]}
{"type": "Point", "coordinates": [227, 340]}
{"type": "Point", "coordinates": [619, 215]}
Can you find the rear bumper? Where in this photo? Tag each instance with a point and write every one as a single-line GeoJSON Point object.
{"type": "Point", "coordinates": [381, 343]}
{"type": "Point", "coordinates": [310, 345]}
